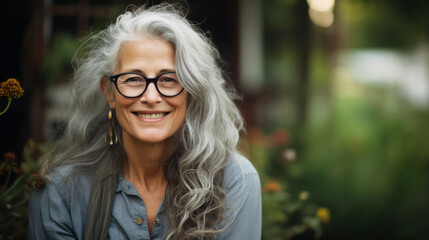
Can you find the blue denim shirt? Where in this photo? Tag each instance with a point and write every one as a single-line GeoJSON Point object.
{"type": "Point", "coordinates": [58, 211]}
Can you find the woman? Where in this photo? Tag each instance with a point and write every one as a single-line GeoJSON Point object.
{"type": "Point", "coordinates": [150, 152]}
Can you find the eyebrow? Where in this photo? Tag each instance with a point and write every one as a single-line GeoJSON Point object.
{"type": "Point", "coordinates": [157, 73]}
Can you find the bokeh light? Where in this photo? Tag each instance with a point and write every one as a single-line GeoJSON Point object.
{"type": "Point", "coordinates": [321, 12]}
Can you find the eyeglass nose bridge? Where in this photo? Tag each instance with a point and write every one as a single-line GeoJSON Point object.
{"type": "Point", "coordinates": [151, 80]}
{"type": "Point", "coordinates": [148, 81]}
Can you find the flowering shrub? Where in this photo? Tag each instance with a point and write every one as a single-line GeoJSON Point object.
{"type": "Point", "coordinates": [286, 214]}
{"type": "Point", "coordinates": [17, 180]}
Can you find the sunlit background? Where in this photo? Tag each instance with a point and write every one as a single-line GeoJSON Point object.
{"type": "Point", "coordinates": [335, 96]}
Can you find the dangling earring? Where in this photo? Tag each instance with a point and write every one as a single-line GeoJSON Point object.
{"type": "Point", "coordinates": [111, 136]}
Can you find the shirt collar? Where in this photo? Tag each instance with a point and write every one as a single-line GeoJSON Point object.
{"type": "Point", "coordinates": [125, 186]}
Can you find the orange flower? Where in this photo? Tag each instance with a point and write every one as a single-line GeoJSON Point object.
{"type": "Point", "coordinates": [280, 137]}
{"type": "Point", "coordinates": [36, 181]}
{"type": "Point", "coordinates": [272, 187]}
{"type": "Point", "coordinates": [20, 171]}
{"type": "Point", "coordinates": [10, 156]}
{"type": "Point", "coordinates": [255, 135]}
{"type": "Point", "coordinates": [11, 89]}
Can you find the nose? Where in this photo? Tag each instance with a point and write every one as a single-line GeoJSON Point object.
{"type": "Point", "coordinates": [151, 95]}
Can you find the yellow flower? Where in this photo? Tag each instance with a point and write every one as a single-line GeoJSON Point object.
{"type": "Point", "coordinates": [324, 214]}
{"type": "Point", "coordinates": [304, 195]}
{"type": "Point", "coordinates": [11, 89]}
{"type": "Point", "coordinates": [272, 187]}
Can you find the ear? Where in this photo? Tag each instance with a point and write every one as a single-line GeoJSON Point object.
{"type": "Point", "coordinates": [108, 93]}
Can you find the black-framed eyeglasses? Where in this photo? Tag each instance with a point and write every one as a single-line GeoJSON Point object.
{"type": "Point", "coordinates": [131, 84]}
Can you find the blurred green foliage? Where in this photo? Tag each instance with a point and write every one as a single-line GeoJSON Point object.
{"type": "Point", "coordinates": [363, 155]}
{"type": "Point", "coordinates": [384, 23]}
{"type": "Point", "coordinates": [57, 63]}
{"type": "Point", "coordinates": [369, 164]}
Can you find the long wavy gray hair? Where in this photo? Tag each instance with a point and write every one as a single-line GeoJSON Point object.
{"type": "Point", "coordinates": [195, 199]}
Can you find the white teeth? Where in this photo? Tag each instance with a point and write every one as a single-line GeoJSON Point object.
{"type": "Point", "coordinates": [153, 115]}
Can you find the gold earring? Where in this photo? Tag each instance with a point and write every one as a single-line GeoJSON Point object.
{"type": "Point", "coordinates": [111, 136]}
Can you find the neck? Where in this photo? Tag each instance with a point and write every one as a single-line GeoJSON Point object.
{"type": "Point", "coordinates": [145, 163]}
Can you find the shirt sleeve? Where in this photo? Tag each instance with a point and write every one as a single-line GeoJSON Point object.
{"type": "Point", "coordinates": [49, 216]}
{"type": "Point", "coordinates": [244, 208]}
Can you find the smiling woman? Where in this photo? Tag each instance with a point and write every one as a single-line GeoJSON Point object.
{"type": "Point", "coordinates": [150, 152]}
{"type": "Point", "coordinates": [143, 112]}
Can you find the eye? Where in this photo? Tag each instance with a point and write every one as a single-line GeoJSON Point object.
{"type": "Point", "coordinates": [134, 79]}
{"type": "Point", "coordinates": [167, 80]}
{"type": "Point", "coordinates": [131, 79]}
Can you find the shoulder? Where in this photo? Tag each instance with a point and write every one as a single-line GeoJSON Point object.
{"type": "Point", "coordinates": [239, 169]}
{"type": "Point", "coordinates": [243, 208]}
{"type": "Point", "coordinates": [65, 186]}
{"type": "Point", "coordinates": [58, 210]}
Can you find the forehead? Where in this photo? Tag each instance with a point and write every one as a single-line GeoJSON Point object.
{"type": "Point", "coordinates": [148, 55]}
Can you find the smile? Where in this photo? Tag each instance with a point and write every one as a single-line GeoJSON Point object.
{"type": "Point", "coordinates": [151, 115]}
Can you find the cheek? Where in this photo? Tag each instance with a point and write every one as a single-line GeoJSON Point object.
{"type": "Point", "coordinates": [123, 102]}
{"type": "Point", "coordinates": [180, 107]}
{"type": "Point", "coordinates": [122, 109]}
{"type": "Point", "coordinates": [183, 107]}
{"type": "Point", "coordinates": [182, 116]}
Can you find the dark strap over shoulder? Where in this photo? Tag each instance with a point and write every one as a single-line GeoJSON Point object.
{"type": "Point", "coordinates": [102, 198]}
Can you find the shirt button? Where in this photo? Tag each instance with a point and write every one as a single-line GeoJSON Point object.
{"type": "Point", "coordinates": [139, 221]}
{"type": "Point", "coordinates": [158, 221]}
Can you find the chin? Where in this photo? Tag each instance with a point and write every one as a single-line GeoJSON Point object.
{"type": "Point", "coordinates": [153, 138]}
